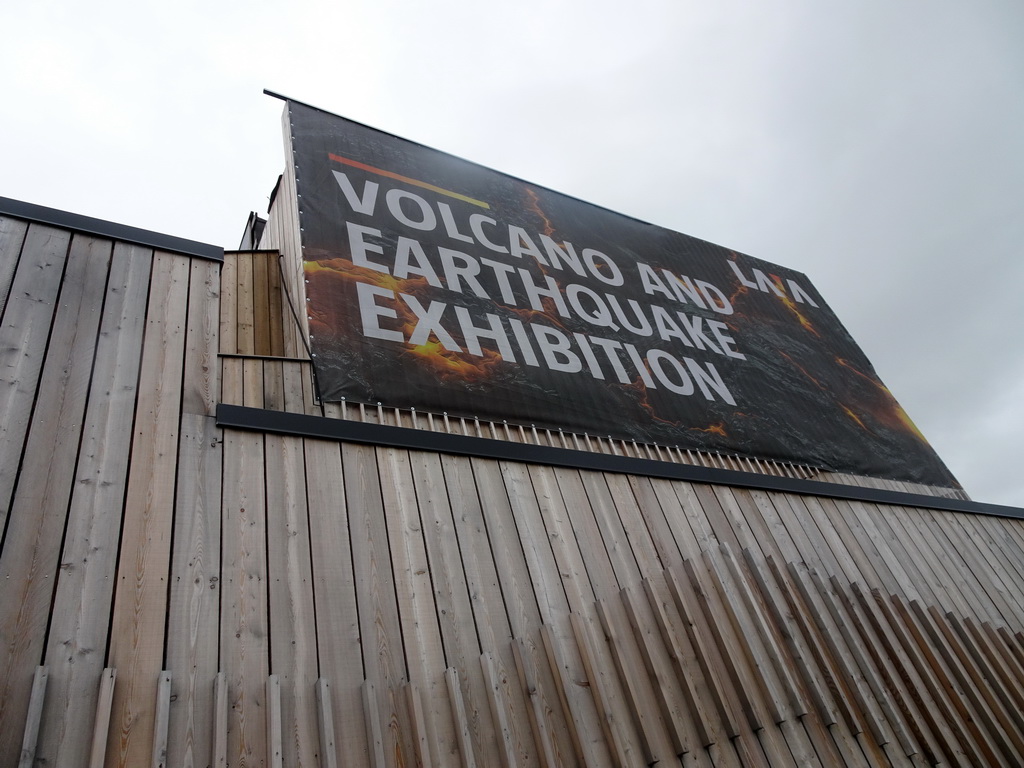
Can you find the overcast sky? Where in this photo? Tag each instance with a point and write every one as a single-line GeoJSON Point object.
{"type": "Point", "coordinates": [877, 146]}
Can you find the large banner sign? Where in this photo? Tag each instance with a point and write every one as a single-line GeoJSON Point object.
{"type": "Point", "coordinates": [438, 284]}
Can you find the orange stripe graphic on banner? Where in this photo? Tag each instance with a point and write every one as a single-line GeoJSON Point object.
{"type": "Point", "coordinates": [407, 180]}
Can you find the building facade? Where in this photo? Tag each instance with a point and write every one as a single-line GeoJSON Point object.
{"type": "Point", "coordinates": [203, 564]}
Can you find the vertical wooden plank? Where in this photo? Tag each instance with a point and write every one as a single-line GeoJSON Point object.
{"type": "Point", "coordinates": [934, 711]}
{"type": "Point", "coordinates": [653, 516]}
{"type": "Point", "coordinates": [781, 539]}
{"type": "Point", "coordinates": [539, 713]}
{"type": "Point", "coordinates": [311, 403]}
{"type": "Point", "coordinates": [858, 548]}
{"type": "Point", "coordinates": [23, 336]}
{"type": "Point", "coordinates": [294, 378]}
{"type": "Point", "coordinates": [243, 615]}
{"type": "Point", "coordinates": [622, 742]}
{"type": "Point", "coordinates": [869, 650]}
{"type": "Point", "coordinates": [280, 312]}
{"type": "Point", "coordinates": [800, 520]}
{"type": "Point", "coordinates": [273, 385]}
{"type": "Point", "coordinates": [717, 520]}
{"type": "Point", "coordinates": [866, 516]}
{"type": "Point", "coordinates": [228, 315]}
{"type": "Point", "coordinates": [12, 237]}
{"type": "Point", "coordinates": [374, 733]}
{"type": "Point", "coordinates": [459, 717]}
{"type": "Point", "coordinates": [871, 700]}
{"type": "Point", "coordinates": [830, 676]}
{"type": "Point", "coordinates": [200, 383]}
{"type": "Point", "coordinates": [193, 615]}
{"type": "Point", "coordinates": [252, 383]}
{"type": "Point", "coordinates": [231, 380]}
{"type": "Point", "coordinates": [220, 721]}
{"type": "Point", "coordinates": [1009, 675]}
{"type": "Point", "coordinates": [977, 689]}
{"type": "Point", "coordinates": [931, 582]}
{"type": "Point", "coordinates": [636, 519]}
{"type": "Point", "coordinates": [140, 602]}
{"type": "Point", "coordinates": [245, 338]}
{"type": "Point", "coordinates": [768, 633]}
{"type": "Point", "coordinates": [821, 513]}
{"type": "Point", "coordinates": [453, 603]}
{"type": "Point", "coordinates": [488, 595]}
{"type": "Point", "coordinates": [772, 693]}
{"type": "Point", "coordinates": [731, 702]}
{"type": "Point", "coordinates": [29, 561]}
{"type": "Point", "coordinates": [957, 565]}
{"type": "Point", "coordinates": [694, 517]}
{"type": "Point", "coordinates": [549, 593]}
{"type": "Point", "coordinates": [500, 594]}
{"type": "Point", "coordinates": [416, 595]}
{"type": "Point", "coordinates": [794, 664]}
{"type": "Point", "coordinates": [860, 531]}
{"type": "Point", "coordinates": [751, 677]}
{"type": "Point", "coordinates": [759, 522]}
{"type": "Point", "coordinates": [275, 747]}
{"type": "Point", "coordinates": [988, 533]}
{"type": "Point", "coordinates": [810, 680]}
{"type": "Point", "coordinates": [986, 569]}
{"type": "Point", "coordinates": [715, 620]}
{"type": "Point", "coordinates": [80, 612]}
{"type": "Point", "coordinates": [533, 540]}
{"type": "Point", "coordinates": [163, 705]}
{"type": "Point", "coordinates": [420, 734]}
{"type": "Point", "coordinates": [260, 304]}
{"type": "Point", "coordinates": [30, 736]}
{"type": "Point", "coordinates": [620, 550]}
{"type": "Point", "coordinates": [818, 668]}
{"type": "Point", "coordinates": [666, 688]}
{"type": "Point", "coordinates": [101, 723]}
{"type": "Point", "coordinates": [575, 540]}
{"type": "Point", "coordinates": [325, 721]}
{"type": "Point", "coordinates": [293, 653]}
{"type": "Point", "coordinates": [380, 633]}
{"type": "Point", "coordinates": [636, 684]}
{"type": "Point", "coordinates": [1011, 536]}
{"type": "Point", "coordinates": [495, 686]}
{"type": "Point", "coordinates": [334, 590]}
{"type": "Point", "coordinates": [582, 743]}
{"type": "Point", "coordinates": [975, 741]}
{"type": "Point", "coordinates": [688, 676]}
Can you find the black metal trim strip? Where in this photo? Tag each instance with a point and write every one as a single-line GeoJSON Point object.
{"type": "Point", "coordinates": [91, 226]}
{"type": "Point", "coordinates": [240, 417]}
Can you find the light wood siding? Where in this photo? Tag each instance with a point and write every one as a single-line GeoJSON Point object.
{"type": "Point", "coordinates": [402, 607]}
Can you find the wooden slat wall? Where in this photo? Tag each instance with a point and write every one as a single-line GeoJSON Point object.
{"type": "Point", "coordinates": [759, 629]}
{"type": "Point", "coordinates": [110, 371]}
{"type": "Point", "coordinates": [401, 607]}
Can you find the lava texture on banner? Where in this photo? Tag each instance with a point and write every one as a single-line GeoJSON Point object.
{"type": "Point", "coordinates": [442, 285]}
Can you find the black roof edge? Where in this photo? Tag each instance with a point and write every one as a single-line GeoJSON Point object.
{"type": "Point", "coordinates": [73, 221]}
{"type": "Point", "coordinates": [280, 422]}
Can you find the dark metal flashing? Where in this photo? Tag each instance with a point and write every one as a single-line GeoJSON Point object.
{"type": "Point", "coordinates": [101, 228]}
{"type": "Point", "coordinates": [240, 417]}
